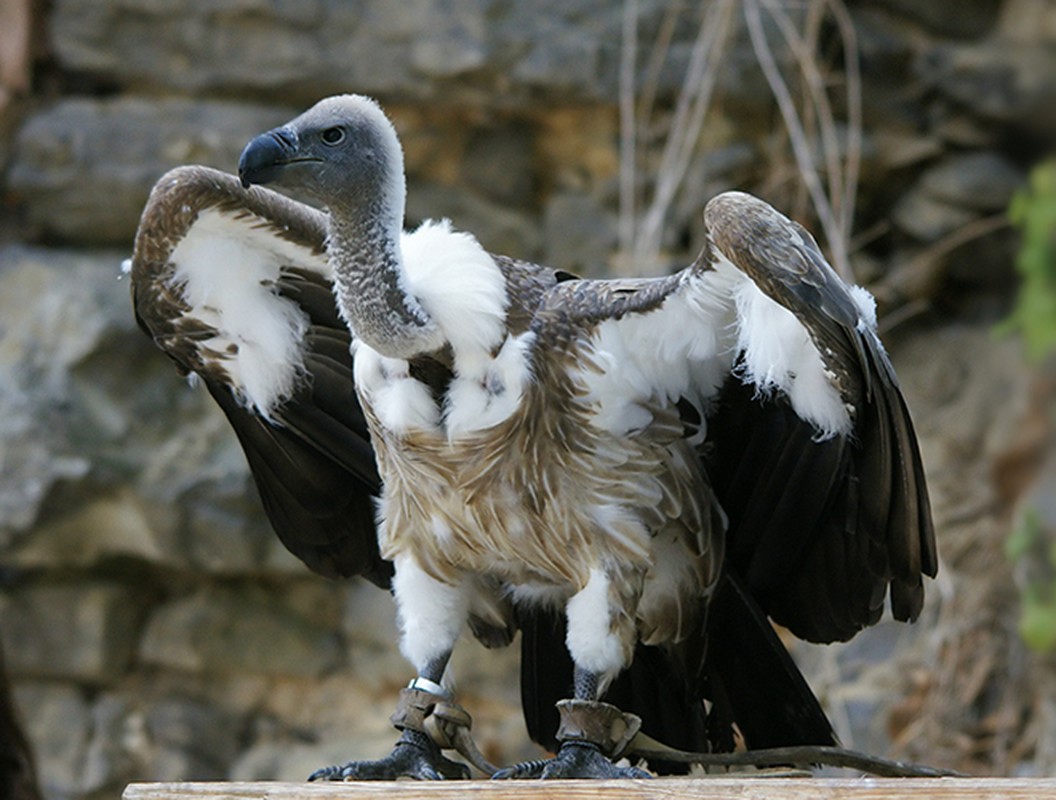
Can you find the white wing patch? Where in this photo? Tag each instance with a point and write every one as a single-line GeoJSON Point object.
{"type": "Point", "coordinates": [682, 349]}
{"type": "Point", "coordinates": [225, 268]}
{"type": "Point", "coordinates": [866, 307]}
{"type": "Point", "coordinates": [779, 355]}
{"type": "Point", "coordinates": [687, 346]}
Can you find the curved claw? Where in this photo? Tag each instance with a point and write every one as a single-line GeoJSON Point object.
{"type": "Point", "coordinates": [526, 769]}
{"type": "Point", "coordinates": [575, 759]}
{"type": "Point", "coordinates": [415, 756]}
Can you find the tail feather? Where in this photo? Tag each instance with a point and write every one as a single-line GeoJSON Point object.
{"type": "Point", "coordinates": [748, 666]}
{"type": "Point", "coordinates": [741, 668]}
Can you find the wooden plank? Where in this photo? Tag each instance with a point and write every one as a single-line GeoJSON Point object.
{"type": "Point", "coordinates": [715, 788]}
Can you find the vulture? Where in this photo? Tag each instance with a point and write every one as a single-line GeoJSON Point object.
{"type": "Point", "coordinates": [640, 476]}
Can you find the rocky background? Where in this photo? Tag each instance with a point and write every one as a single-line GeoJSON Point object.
{"type": "Point", "coordinates": [154, 628]}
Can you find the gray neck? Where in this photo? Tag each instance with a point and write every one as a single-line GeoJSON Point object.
{"type": "Point", "coordinates": [371, 287]}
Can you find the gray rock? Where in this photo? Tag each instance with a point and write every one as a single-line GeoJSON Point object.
{"type": "Point", "coordinates": [500, 164]}
{"type": "Point", "coordinates": [103, 462]}
{"type": "Point", "coordinates": [969, 19]}
{"type": "Point", "coordinates": [84, 167]}
{"type": "Point", "coordinates": [927, 218]}
{"type": "Point", "coordinates": [237, 629]}
{"type": "Point", "coordinates": [953, 192]}
{"type": "Point", "coordinates": [451, 49]}
{"type": "Point", "coordinates": [58, 722]}
{"type": "Point", "coordinates": [579, 235]}
{"type": "Point", "coordinates": [369, 616]}
{"type": "Point", "coordinates": [117, 749]}
{"type": "Point", "coordinates": [292, 760]}
{"type": "Point", "coordinates": [1031, 21]}
{"type": "Point", "coordinates": [56, 308]}
{"type": "Point", "coordinates": [566, 61]}
{"type": "Point", "coordinates": [192, 740]}
{"type": "Point", "coordinates": [499, 229]}
{"type": "Point", "coordinates": [1008, 82]}
{"type": "Point", "coordinates": [191, 45]}
{"type": "Point", "coordinates": [986, 268]}
{"type": "Point", "coordinates": [369, 626]}
{"type": "Point", "coordinates": [454, 43]}
{"type": "Point", "coordinates": [885, 43]}
{"type": "Point", "coordinates": [101, 530]}
{"type": "Point", "coordinates": [298, 50]}
{"type": "Point", "coordinates": [983, 180]}
{"type": "Point", "coordinates": [959, 127]}
{"type": "Point", "coordinates": [897, 148]}
{"type": "Point", "coordinates": [84, 632]}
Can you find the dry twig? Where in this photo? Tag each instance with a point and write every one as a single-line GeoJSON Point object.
{"type": "Point", "coordinates": [641, 224]}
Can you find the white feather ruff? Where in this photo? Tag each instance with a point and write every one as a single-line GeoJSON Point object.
{"type": "Point", "coordinates": [866, 307]}
{"type": "Point", "coordinates": [458, 284]}
{"type": "Point", "coordinates": [225, 269]}
{"type": "Point", "coordinates": [401, 403]}
{"type": "Point", "coordinates": [487, 391]}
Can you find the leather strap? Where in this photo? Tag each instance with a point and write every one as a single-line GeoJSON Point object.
{"type": "Point", "coordinates": [599, 723]}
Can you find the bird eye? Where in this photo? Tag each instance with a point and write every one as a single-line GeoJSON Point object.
{"type": "Point", "coordinates": [333, 135]}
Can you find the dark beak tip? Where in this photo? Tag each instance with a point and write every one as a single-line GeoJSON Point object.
{"type": "Point", "coordinates": [262, 158]}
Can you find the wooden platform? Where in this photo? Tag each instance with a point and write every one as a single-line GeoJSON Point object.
{"type": "Point", "coordinates": [660, 789]}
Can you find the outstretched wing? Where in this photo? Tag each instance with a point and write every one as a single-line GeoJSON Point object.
{"type": "Point", "coordinates": [822, 527]}
{"type": "Point", "coordinates": [234, 286]}
{"type": "Point", "coordinates": [776, 370]}
{"type": "Point", "coordinates": [809, 445]}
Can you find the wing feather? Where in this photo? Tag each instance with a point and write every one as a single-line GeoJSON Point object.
{"type": "Point", "coordinates": [310, 453]}
{"type": "Point", "coordinates": [862, 521]}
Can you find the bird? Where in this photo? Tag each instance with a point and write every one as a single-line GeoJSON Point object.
{"type": "Point", "coordinates": [641, 477]}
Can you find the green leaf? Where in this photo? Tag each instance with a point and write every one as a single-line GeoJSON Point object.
{"type": "Point", "coordinates": [1037, 626]}
{"type": "Point", "coordinates": [1033, 212]}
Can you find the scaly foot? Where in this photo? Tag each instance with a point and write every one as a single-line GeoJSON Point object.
{"type": "Point", "coordinates": [415, 756]}
{"type": "Point", "coordinates": [575, 759]}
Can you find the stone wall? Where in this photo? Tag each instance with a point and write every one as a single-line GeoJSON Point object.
{"type": "Point", "coordinates": [153, 626]}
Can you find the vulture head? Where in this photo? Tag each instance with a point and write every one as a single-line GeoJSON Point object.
{"type": "Point", "coordinates": [342, 153]}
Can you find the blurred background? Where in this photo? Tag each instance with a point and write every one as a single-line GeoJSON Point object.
{"type": "Point", "coordinates": [154, 629]}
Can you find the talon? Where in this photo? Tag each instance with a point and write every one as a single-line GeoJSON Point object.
{"type": "Point", "coordinates": [575, 759]}
{"type": "Point", "coordinates": [325, 774]}
{"type": "Point", "coordinates": [414, 755]}
{"type": "Point", "coordinates": [526, 769]}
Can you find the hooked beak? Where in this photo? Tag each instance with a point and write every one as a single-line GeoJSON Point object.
{"type": "Point", "coordinates": [264, 157]}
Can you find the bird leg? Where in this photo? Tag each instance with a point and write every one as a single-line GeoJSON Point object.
{"type": "Point", "coordinates": [415, 754]}
{"type": "Point", "coordinates": [592, 735]}
{"type": "Point", "coordinates": [600, 639]}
